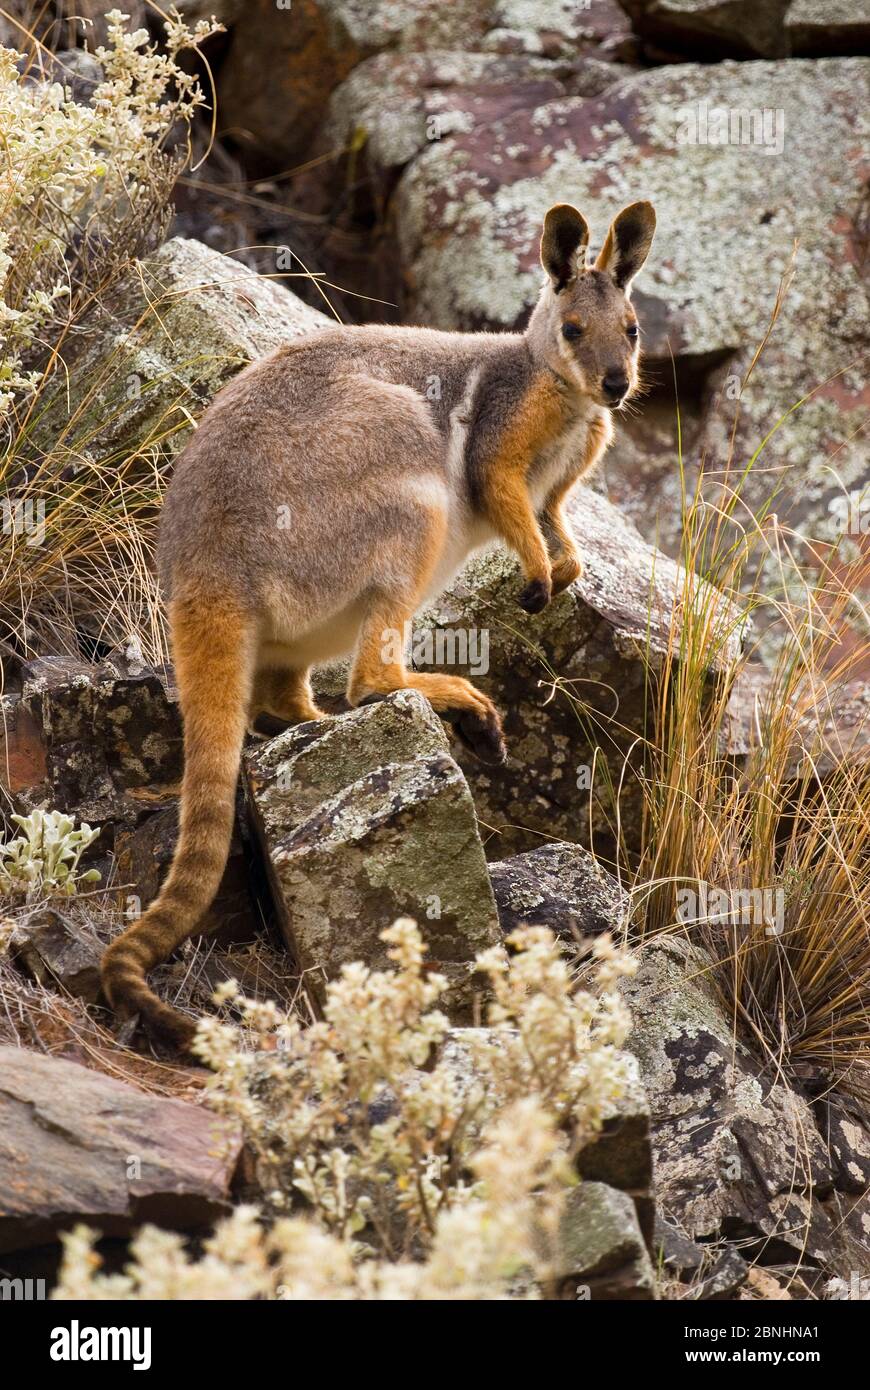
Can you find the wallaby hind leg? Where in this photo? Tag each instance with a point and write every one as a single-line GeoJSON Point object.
{"type": "Point", "coordinates": [376, 672]}
{"type": "Point", "coordinates": [285, 694]}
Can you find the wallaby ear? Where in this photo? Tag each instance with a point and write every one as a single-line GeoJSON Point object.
{"type": "Point", "coordinates": [563, 245]}
{"type": "Point", "coordinates": [628, 243]}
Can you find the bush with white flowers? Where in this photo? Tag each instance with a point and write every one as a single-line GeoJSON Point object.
{"type": "Point", "coordinates": [391, 1172]}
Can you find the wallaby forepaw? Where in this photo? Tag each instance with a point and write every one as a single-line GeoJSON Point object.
{"type": "Point", "coordinates": [565, 572]}
{"type": "Point", "coordinates": [536, 595]}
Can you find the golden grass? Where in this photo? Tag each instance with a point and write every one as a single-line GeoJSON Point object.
{"type": "Point", "coordinates": [789, 813]}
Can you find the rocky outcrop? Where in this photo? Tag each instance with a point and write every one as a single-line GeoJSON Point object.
{"type": "Point", "coordinates": [78, 1146]}
{"type": "Point", "coordinates": [283, 64]}
{"type": "Point", "coordinates": [366, 819]}
{"type": "Point", "coordinates": [738, 1152]}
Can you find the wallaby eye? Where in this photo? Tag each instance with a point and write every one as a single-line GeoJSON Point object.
{"type": "Point", "coordinates": [632, 330]}
{"type": "Point", "coordinates": [571, 330]}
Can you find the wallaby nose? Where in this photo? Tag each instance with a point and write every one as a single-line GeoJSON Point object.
{"type": "Point", "coordinates": [615, 385]}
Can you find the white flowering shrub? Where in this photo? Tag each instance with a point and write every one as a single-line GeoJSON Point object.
{"type": "Point", "coordinates": [83, 186]}
{"type": "Point", "coordinates": [44, 860]}
{"type": "Point", "coordinates": [388, 1176]}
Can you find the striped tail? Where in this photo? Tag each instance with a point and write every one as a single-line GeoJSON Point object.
{"type": "Point", "coordinates": [213, 647]}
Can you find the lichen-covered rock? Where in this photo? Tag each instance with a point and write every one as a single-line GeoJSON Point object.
{"type": "Point", "coordinates": [79, 1146]}
{"type": "Point", "coordinates": [845, 1128]}
{"type": "Point", "coordinates": [559, 886]}
{"type": "Point", "coordinates": [159, 346]}
{"type": "Point", "coordinates": [283, 65]}
{"type": "Point", "coordinates": [737, 1151]}
{"type": "Point", "coordinates": [109, 741]}
{"type": "Point", "coordinates": [549, 28]}
{"type": "Point", "coordinates": [602, 1252]}
{"type": "Point", "coordinates": [620, 1154]}
{"type": "Point", "coordinates": [364, 819]}
{"type": "Point", "coordinates": [402, 102]}
{"type": "Point", "coordinates": [728, 214]}
{"type": "Point", "coordinates": [571, 683]}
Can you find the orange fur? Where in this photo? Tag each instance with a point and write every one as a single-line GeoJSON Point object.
{"type": "Point", "coordinates": [213, 648]}
{"type": "Point", "coordinates": [538, 421]}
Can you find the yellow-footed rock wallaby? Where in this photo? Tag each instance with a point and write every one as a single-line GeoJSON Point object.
{"type": "Point", "coordinates": [324, 497]}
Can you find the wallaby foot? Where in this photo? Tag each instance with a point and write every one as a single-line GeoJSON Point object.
{"type": "Point", "coordinates": [471, 713]}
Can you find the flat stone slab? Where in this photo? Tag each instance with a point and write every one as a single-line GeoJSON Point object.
{"type": "Point", "coordinates": [76, 1145]}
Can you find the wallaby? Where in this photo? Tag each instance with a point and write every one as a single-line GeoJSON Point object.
{"type": "Point", "coordinates": [329, 491]}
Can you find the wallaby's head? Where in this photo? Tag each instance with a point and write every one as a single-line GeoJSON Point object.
{"type": "Point", "coordinates": [584, 325]}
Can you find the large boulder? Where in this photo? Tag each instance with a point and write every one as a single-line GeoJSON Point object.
{"type": "Point", "coordinates": [78, 1146]}
{"type": "Point", "coordinates": [363, 819]}
{"type": "Point", "coordinates": [284, 63]}
{"type": "Point", "coordinates": [397, 104]}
